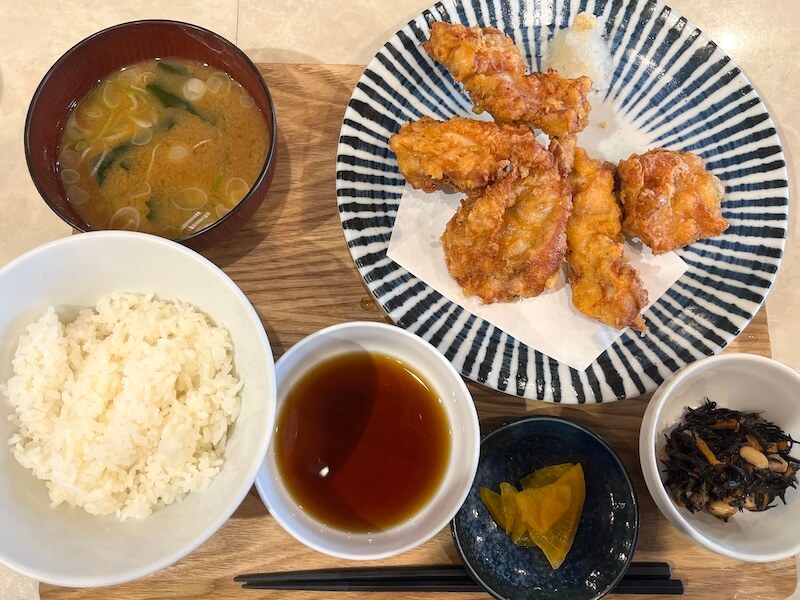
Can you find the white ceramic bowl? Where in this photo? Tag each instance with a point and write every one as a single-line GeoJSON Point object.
{"type": "Point", "coordinates": [67, 546]}
{"type": "Point", "coordinates": [741, 382]}
{"type": "Point", "coordinates": [464, 431]}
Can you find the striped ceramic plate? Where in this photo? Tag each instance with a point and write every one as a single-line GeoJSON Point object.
{"type": "Point", "coordinates": [672, 87]}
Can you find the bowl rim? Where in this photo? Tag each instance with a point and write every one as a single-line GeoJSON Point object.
{"type": "Point", "coordinates": [269, 120]}
{"type": "Point", "coordinates": [652, 473]}
{"type": "Point", "coordinates": [264, 477]}
{"type": "Point", "coordinates": [515, 422]}
{"type": "Point", "coordinates": [235, 496]}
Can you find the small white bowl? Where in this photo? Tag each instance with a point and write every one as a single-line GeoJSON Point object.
{"type": "Point", "coordinates": [462, 462]}
{"type": "Point", "coordinates": [68, 546]}
{"type": "Point", "coordinates": [742, 382]}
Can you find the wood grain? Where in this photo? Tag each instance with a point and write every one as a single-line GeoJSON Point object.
{"type": "Point", "coordinates": [293, 264]}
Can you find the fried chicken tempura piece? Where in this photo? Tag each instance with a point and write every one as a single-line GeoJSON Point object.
{"type": "Point", "coordinates": [464, 154]}
{"type": "Point", "coordinates": [563, 151]}
{"type": "Point", "coordinates": [508, 241]}
{"type": "Point", "coordinates": [604, 285]}
{"type": "Point", "coordinates": [669, 199]}
{"type": "Point", "coordinates": [493, 73]}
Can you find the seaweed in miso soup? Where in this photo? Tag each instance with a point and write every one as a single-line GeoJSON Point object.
{"type": "Point", "coordinates": [163, 146]}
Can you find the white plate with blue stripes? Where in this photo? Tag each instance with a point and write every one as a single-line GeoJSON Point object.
{"type": "Point", "coordinates": [672, 87]}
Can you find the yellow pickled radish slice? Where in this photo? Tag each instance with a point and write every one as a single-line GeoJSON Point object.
{"type": "Point", "coordinates": [557, 541]}
{"type": "Point", "coordinates": [519, 533]}
{"type": "Point", "coordinates": [546, 513]}
{"type": "Point", "coordinates": [545, 476]}
{"type": "Point", "coordinates": [542, 507]}
{"type": "Point", "coordinates": [508, 497]}
{"type": "Point", "coordinates": [494, 504]}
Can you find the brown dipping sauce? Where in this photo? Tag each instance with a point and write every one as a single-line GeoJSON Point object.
{"type": "Point", "coordinates": [362, 442]}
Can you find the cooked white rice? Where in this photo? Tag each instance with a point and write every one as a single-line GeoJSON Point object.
{"type": "Point", "coordinates": [127, 407]}
{"type": "Point", "coordinates": [581, 50]}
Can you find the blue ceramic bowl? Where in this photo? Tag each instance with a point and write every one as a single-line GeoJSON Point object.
{"type": "Point", "coordinates": [606, 536]}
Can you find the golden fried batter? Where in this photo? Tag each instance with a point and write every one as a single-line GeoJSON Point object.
{"type": "Point", "coordinates": [508, 241]}
{"type": "Point", "coordinates": [669, 199]}
{"type": "Point", "coordinates": [604, 285]}
{"type": "Point", "coordinates": [463, 153]}
{"type": "Point", "coordinates": [493, 73]}
{"type": "Point", "coordinates": [563, 151]}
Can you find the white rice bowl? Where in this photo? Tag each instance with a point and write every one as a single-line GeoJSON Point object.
{"type": "Point", "coordinates": [65, 545]}
{"type": "Point", "coordinates": [127, 407]}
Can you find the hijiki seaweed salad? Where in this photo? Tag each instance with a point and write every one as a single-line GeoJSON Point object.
{"type": "Point", "coordinates": [722, 461]}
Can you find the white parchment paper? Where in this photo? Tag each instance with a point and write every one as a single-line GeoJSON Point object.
{"type": "Point", "coordinates": [547, 323]}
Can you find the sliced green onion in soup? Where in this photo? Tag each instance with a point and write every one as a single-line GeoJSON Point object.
{"type": "Point", "coordinates": [194, 89]}
{"type": "Point", "coordinates": [143, 123]}
{"type": "Point", "coordinates": [190, 198]}
{"type": "Point", "coordinates": [142, 137]}
{"type": "Point", "coordinates": [143, 190]}
{"type": "Point", "coordinates": [177, 153]}
{"type": "Point", "coordinates": [101, 215]}
{"type": "Point", "coordinates": [129, 75]}
{"type": "Point", "coordinates": [213, 84]}
{"type": "Point", "coordinates": [93, 111]}
{"type": "Point", "coordinates": [127, 218]}
{"type": "Point", "coordinates": [113, 138]}
{"type": "Point", "coordinates": [246, 100]}
{"type": "Point", "coordinates": [104, 128]}
{"type": "Point", "coordinates": [134, 101]}
{"type": "Point", "coordinates": [221, 210]}
{"type": "Point", "coordinates": [218, 83]}
{"type": "Point", "coordinates": [74, 130]}
{"type": "Point", "coordinates": [152, 160]}
{"type": "Point", "coordinates": [69, 159]}
{"type": "Point", "coordinates": [77, 195]}
{"type": "Point", "coordinates": [235, 190]}
{"type": "Point", "coordinates": [111, 96]}
{"type": "Point", "coordinates": [70, 176]}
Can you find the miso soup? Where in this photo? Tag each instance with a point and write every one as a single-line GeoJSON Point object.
{"type": "Point", "coordinates": [163, 146]}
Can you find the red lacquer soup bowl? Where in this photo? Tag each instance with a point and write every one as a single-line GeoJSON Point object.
{"type": "Point", "coordinates": [108, 51]}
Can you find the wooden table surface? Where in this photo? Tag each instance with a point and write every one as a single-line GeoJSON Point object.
{"type": "Point", "coordinates": [292, 262]}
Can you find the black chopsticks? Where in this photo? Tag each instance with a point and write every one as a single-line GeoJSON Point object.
{"type": "Point", "coordinates": [640, 578]}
